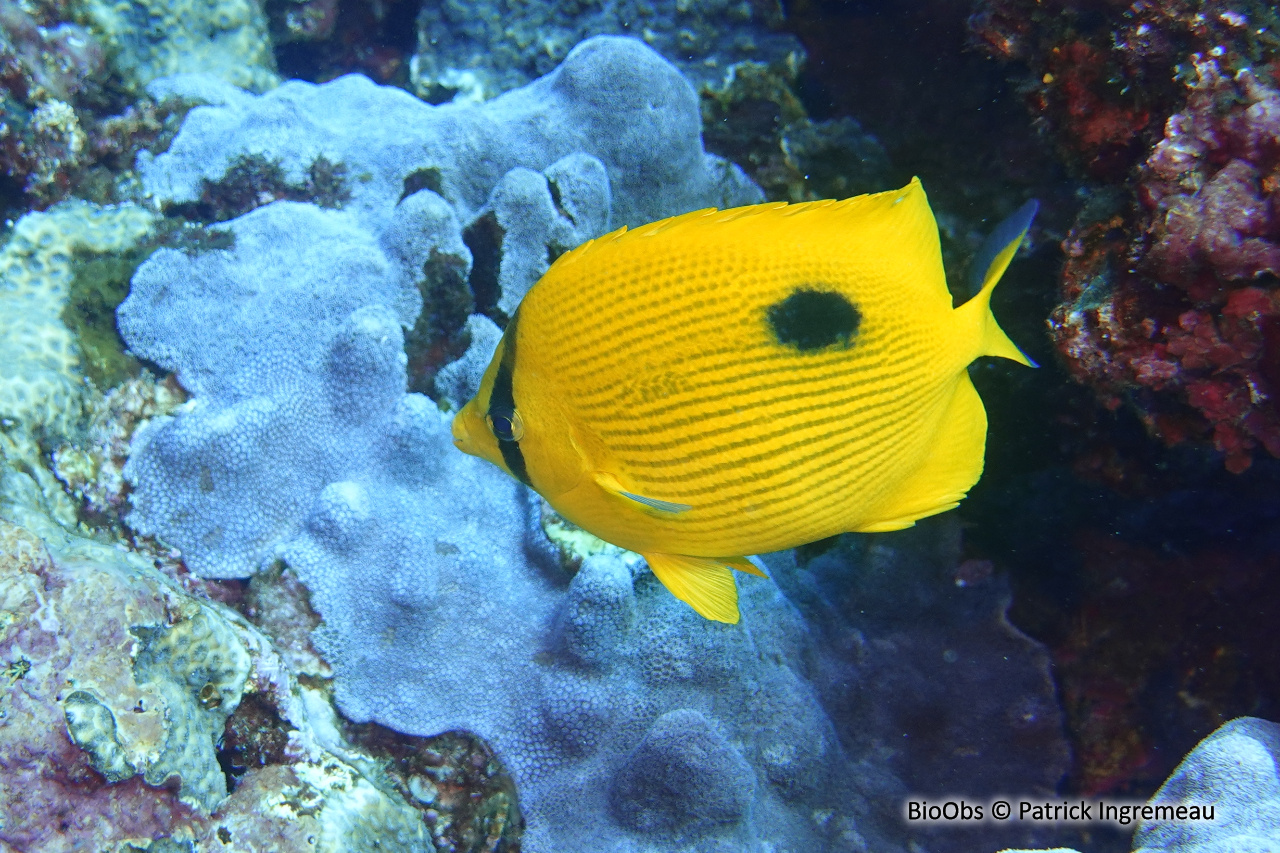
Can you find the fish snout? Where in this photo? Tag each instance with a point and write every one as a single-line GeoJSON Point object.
{"type": "Point", "coordinates": [461, 435]}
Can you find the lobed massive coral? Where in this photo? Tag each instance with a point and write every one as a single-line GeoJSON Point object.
{"type": "Point", "coordinates": [294, 385]}
{"type": "Point", "coordinates": [627, 722]}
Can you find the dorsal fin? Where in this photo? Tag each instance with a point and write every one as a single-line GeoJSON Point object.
{"type": "Point", "coordinates": [871, 204]}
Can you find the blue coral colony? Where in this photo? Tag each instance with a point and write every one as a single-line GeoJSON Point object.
{"type": "Point", "coordinates": [685, 370]}
{"type": "Point", "coordinates": [728, 383]}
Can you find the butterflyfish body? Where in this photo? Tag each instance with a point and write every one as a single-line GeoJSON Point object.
{"type": "Point", "coordinates": [734, 382]}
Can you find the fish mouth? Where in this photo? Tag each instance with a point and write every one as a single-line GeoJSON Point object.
{"type": "Point", "coordinates": [471, 434]}
{"type": "Point", "coordinates": [461, 435]}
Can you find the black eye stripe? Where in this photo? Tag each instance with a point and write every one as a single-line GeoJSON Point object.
{"type": "Point", "coordinates": [502, 404]}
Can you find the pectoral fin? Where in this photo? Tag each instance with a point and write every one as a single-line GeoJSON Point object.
{"type": "Point", "coordinates": [703, 583]}
{"type": "Point", "coordinates": [610, 484]}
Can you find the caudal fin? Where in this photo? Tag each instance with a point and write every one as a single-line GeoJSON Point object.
{"type": "Point", "coordinates": [990, 263]}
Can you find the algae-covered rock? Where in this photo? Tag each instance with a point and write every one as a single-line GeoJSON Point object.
{"type": "Point", "coordinates": [116, 684]}
{"type": "Point", "coordinates": [147, 39]}
{"type": "Point", "coordinates": [40, 387]}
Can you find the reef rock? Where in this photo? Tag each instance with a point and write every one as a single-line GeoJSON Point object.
{"type": "Point", "coordinates": [115, 687]}
{"type": "Point", "coordinates": [473, 51]}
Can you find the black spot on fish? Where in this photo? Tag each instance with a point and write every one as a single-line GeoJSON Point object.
{"type": "Point", "coordinates": [815, 319]}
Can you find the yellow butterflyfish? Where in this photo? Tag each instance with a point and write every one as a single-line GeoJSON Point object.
{"type": "Point", "coordinates": [734, 382]}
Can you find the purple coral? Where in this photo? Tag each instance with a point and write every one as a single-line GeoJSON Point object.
{"type": "Point", "coordinates": [1215, 223]}
{"type": "Point", "coordinates": [1171, 303]}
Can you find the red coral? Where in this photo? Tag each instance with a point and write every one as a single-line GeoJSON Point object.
{"type": "Point", "coordinates": [1171, 286]}
{"type": "Point", "coordinates": [1174, 304]}
{"type": "Point", "coordinates": [1097, 123]}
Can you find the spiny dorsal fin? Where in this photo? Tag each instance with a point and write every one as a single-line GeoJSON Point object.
{"type": "Point", "coordinates": [711, 217]}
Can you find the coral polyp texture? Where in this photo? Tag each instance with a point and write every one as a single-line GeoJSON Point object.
{"type": "Point", "coordinates": [39, 356]}
{"type": "Point", "coordinates": [626, 721]}
{"type": "Point", "coordinates": [43, 392]}
{"type": "Point", "coordinates": [1171, 303]}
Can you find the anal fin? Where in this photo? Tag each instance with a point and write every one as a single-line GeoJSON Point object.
{"type": "Point", "coordinates": [704, 583]}
{"type": "Point", "coordinates": [953, 465]}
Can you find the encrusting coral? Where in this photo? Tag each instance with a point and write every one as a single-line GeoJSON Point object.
{"type": "Point", "coordinates": [1170, 303]}
{"type": "Point", "coordinates": [1193, 331]}
{"type": "Point", "coordinates": [112, 724]}
{"type": "Point", "coordinates": [44, 399]}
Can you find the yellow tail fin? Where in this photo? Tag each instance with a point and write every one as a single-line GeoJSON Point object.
{"type": "Point", "coordinates": [992, 260]}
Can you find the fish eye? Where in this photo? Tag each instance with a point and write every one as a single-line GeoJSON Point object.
{"type": "Point", "coordinates": [505, 424]}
